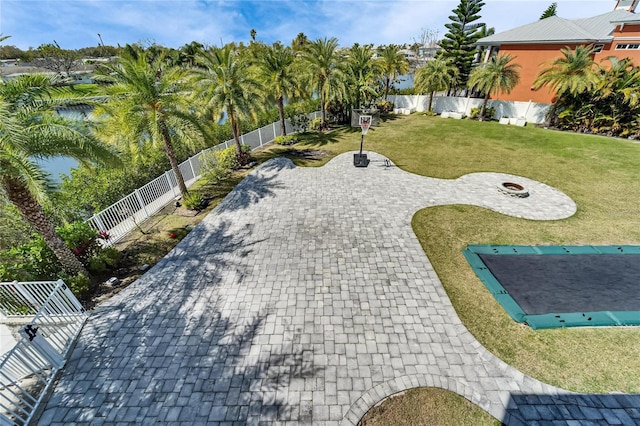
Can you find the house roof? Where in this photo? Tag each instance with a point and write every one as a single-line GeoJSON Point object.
{"type": "Point", "coordinates": [559, 30]}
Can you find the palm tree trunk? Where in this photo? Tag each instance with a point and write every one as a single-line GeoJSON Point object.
{"type": "Point", "coordinates": [32, 211]}
{"type": "Point", "coordinates": [171, 155]}
{"type": "Point", "coordinates": [386, 87]}
{"type": "Point", "coordinates": [283, 127]}
{"type": "Point", "coordinates": [240, 155]}
{"type": "Point", "coordinates": [323, 112]}
{"type": "Point", "coordinates": [431, 101]}
{"type": "Point", "coordinates": [484, 107]}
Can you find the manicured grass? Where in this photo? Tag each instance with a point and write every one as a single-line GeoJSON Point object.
{"type": "Point", "coordinates": [427, 406]}
{"type": "Point", "coordinates": [602, 176]}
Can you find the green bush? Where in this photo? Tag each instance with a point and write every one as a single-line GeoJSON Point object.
{"type": "Point", "coordinates": [316, 123]}
{"type": "Point", "coordinates": [300, 123]}
{"type": "Point", "coordinates": [384, 106]}
{"type": "Point", "coordinates": [79, 284]}
{"type": "Point", "coordinates": [217, 165]}
{"type": "Point", "coordinates": [488, 113]}
{"type": "Point", "coordinates": [193, 201]}
{"type": "Point", "coordinates": [104, 259]}
{"type": "Point", "coordinates": [80, 238]}
{"type": "Point", "coordinates": [285, 140]}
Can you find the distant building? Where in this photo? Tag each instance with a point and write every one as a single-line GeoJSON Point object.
{"type": "Point", "coordinates": [616, 33]}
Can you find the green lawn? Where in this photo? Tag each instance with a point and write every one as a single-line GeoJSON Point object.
{"type": "Point", "coordinates": [427, 406]}
{"type": "Point", "coordinates": [600, 174]}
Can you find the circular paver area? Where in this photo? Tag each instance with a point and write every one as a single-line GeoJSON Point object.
{"type": "Point", "coordinates": [305, 298]}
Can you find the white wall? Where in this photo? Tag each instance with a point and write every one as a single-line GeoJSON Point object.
{"type": "Point", "coordinates": [531, 111]}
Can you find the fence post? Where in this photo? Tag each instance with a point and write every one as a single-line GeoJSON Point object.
{"type": "Point", "coordinates": [260, 135]}
{"type": "Point", "coordinates": [167, 175]}
{"type": "Point", "coordinates": [141, 202]}
{"type": "Point", "coordinates": [242, 139]}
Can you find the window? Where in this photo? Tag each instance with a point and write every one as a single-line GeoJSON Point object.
{"type": "Point", "coordinates": [625, 46]}
{"type": "Point", "coordinates": [598, 48]}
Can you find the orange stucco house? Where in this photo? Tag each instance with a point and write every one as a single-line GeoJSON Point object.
{"type": "Point", "coordinates": [616, 33]}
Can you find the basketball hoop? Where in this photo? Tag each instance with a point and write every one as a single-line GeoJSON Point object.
{"type": "Point", "coordinates": [365, 123]}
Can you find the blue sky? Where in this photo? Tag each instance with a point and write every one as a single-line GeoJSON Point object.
{"type": "Point", "coordinates": [76, 23]}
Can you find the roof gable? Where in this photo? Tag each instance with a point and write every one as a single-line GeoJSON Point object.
{"type": "Point", "coordinates": [559, 30]}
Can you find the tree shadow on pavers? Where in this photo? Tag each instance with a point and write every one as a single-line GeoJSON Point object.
{"type": "Point", "coordinates": [587, 409]}
{"type": "Point", "coordinates": [252, 189]}
{"type": "Point", "coordinates": [185, 344]}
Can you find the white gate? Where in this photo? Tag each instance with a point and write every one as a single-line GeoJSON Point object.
{"type": "Point", "coordinates": [51, 319]}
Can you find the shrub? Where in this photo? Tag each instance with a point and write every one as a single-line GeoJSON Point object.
{"type": "Point", "coordinates": [79, 284]}
{"type": "Point", "coordinates": [384, 106]}
{"type": "Point", "coordinates": [316, 124]}
{"type": "Point", "coordinates": [488, 113]}
{"type": "Point", "coordinates": [193, 201]}
{"type": "Point", "coordinates": [81, 238]}
{"type": "Point", "coordinates": [285, 140]}
{"type": "Point", "coordinates": [300, 123]}
{"type": "Point", "coordinates": [217, 165]}
{"type": "Point", "coordinates": [106, 258]}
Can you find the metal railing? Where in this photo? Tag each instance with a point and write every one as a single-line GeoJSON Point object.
{"type": "Point", "coordinates": [123, 216]}
{"type": "Point", "coordinates": [54, 319]}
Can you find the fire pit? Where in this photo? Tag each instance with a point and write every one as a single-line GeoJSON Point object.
{"type": "Point", "coordinates": [513, 190]}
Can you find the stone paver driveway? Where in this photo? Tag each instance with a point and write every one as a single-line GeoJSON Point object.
{"type": "Point", "coordinates": [305, 297]}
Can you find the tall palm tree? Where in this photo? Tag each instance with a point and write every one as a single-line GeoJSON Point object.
{"type": "Point", "coordinates": [278, 74]}
{"type": "Point", "coordinates": [225, 84]}
{"type": "Point", "coordinates": [571, 74]}
{"type": "Point", "coordinates": [393, 64]}
{"type": "Point", "coordinates": [147, 105]}
{"type": "Point", "coordinates": [31, 130]}
{"type": "Point", "coordinates": [363, 72]}
{"type": "Point", "coordinates": [436, 75]}
{"type": "Point", "coordinates": [325, 68]}
{"type": "Point", "coordinates": [498, 75]}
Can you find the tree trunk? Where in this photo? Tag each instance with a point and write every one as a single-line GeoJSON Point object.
{"type": "Point", "coordinates": [484, 107]}
{"type": "Point", "coordinates": [32, 211]}
{"type": "Point", "coordinates": [240, 155]}
{"type": "Point", "coordinates": [431, 101]}
{"type": "Point", "coordinates": [322, 112]}
{"type": "Point", "coordinates": [386, 87]}
{"type": "Point", "coordinates": [171, 155]}
{"type": "Point", "coordinates": [283, 126]}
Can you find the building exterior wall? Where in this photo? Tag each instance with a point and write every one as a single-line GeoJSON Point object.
{"type": "Point", "coordinates": [534, 57]}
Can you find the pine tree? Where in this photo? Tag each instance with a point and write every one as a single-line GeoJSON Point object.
{"type": "Point", "coordinates": [550, 11]}
{"type": "Point", "coordinates": [458, 44]}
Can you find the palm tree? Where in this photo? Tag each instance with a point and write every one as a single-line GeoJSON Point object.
{"type": "Point", "coordinates": [279, 76]}
{"type": "Point", "coordinates": [436, 75]}
{"type": "Point", "coordinates": [225, 84]}
{"type": "Point", "coordinates": [324, 65]}
{"type": "Point", "coordinates": [571, 74]}
{"type": "Point", "coordinates": [363, 72]}
{"type": "Point", "coordinates": [494, 77]}
{"type": "Point", "coordinates": [148, 106]}
{"type": "Point", "coordinates": [31, 130]}
{"type": "Point", "coordinates": [393, 64]}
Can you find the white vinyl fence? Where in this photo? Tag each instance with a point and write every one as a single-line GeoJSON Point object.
{"type": "Point", "coordinates": [120, 218]}
{"type": "Point", "coordinates": [532, 112]}
{"type": "Point", "coordinates": [50, 319]}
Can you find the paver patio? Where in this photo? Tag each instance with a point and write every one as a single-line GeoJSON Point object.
{"type": "Point", "coordinates": [305, 297]}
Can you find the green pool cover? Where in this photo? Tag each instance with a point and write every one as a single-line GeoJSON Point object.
{"type": "Point", "coordinates": [562, 286]}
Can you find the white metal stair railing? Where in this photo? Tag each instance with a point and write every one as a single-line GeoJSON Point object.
{"type": "Point", "coordinates": [123, 216]}
{"type": "Point", "coordinates": [27, 371]}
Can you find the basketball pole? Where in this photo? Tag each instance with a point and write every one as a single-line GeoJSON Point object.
{"type": "Point", "coordinates": [361, 141]}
